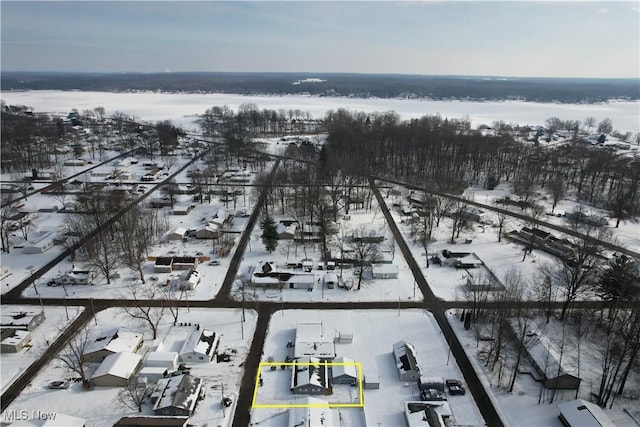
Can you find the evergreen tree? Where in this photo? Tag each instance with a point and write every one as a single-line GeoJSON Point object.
{"type": "Point", "coordinates": [269, 234]}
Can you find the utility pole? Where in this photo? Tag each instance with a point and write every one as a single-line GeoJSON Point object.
{"type": "Point", "coordinates": [222, 402]}
{"type": "Point", "coordinates": [93, 310]}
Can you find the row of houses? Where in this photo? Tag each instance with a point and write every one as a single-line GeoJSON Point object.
{"type": "Point", "coordinates": [16, 328]}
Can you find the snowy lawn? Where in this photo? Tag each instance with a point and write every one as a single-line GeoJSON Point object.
{"type": "Point", "coordinates": [374, 333]}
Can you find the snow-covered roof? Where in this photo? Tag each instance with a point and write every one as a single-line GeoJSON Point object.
{"type": "Point", "coordinates": [309, 371]}
{"type": "Point", "coordinates": [17, 337]}
{"type": "Point", "coordinates": [349, 368]}
{"type": "Point", "coordinates": [312, 341]}
{"type": "Point", "coordinates": [178, 392]}
{"type": "Point", "coordinates": [426, 413]}
{"type": "Point", "coordinates": [115, 340]}
{"type": "Point", "coordinates": [162, 356]}
{"type": "Point", "coordinates": [579, 413]}
{"type": "Point", "coordinates": [121, 365]}
{"type": "Point", "coordinates": [385, 269]}
{"type": "Point", "coordinates": [180, 231]}
{"type": "Point", "coordinates": [312, 416]}
{"type": "Point", "coordinates": [405, 355]}
{"type": "Point", "coordinates": [200, 342]}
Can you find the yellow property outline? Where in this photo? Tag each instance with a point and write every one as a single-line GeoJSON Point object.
{"type": "Point", "coordinates": [360, 403]}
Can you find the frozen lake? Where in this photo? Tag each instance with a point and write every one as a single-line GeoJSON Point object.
{"type": "Point", "coordinates": [182, 107]}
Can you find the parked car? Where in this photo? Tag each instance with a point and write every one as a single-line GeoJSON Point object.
{"type": "Point", "coordinates": [455, 387]}
{"type": "Point", "coordinates": [58, 385]}
{"type": "Point", "coordinates": [214, 262]}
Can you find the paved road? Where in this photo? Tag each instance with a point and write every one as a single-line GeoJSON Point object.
{"type": "Point", "coordinates": [267, 308]}
{"type": "Point", "coordinates": [434, 305]}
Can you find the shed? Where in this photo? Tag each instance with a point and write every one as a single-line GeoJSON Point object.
{"type": "Point", "coordinates": [343, 371]}
{"type": "Point", "coordinates": [385, 271]}
{"type": "Point", "coordinates": [344, 337]}
{"type": "Point", "coordinates": [371, 380]}
{"type": "Point", "coordinates": [162, 359]}
{"type": "Point", "coordinates": [330, 279]}
{"type": "Point", "coordinates": [117, 369]}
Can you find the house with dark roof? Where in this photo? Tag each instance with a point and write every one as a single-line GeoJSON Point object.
{"type": "Point", "coordinates": [406, 363]}
{"type": "Point", "coordinates": [177, 396]}
{"type": "Point", "coordinates": [310, 376]}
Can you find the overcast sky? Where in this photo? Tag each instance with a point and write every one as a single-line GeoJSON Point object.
{"type": "Point", "coordinates": [549, 39]}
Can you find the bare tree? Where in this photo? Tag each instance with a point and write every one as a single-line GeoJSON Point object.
{"type": "Point", "coordinates": [71, 355]}
{"type": "Point", "coordinates": [365, 251]}
{"type": "Point", "coordinates": [139, 309]}
{"type": "Point", "coordinates": [135, 394]}
{"type": "Point", "coordinates": [138, 228]}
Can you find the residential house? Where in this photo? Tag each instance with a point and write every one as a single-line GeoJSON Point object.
{"type": "Point", "coordinates": [406, 363]}
{"type": "Point", "coordinates": [286, 232]}
{"type": "Point", "coordinates": [208, 231]}
{"type": "Point", "coordinates": [74, 277]}
{"type": "Point", "coordinates": [112, 341]}
{"type": "Point", "coordinates": [200, 346]}
{"type": "Point", "coordinates": [312, 341]}
{"type": "Point", "coordinates": [579, 413]}
{"type": "Point", "coordinates": [177, 396]}
{"type": "Point", "coordinates": [117, 369]}
{"type": "Point", "coordinates": [39, 242]}
{"type": "Point", "coordinates": [26, 320]}
{"type": "Point", "coordinates": [553, 371]}
{"type": "Point", "coordinates": [310, 376]}
{"type": "Point", "coordinates": [266, 274]}
{"type": "Point", "coordinates": [13, 340]}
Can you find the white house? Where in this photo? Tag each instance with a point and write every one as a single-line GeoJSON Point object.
{"type": "Point", "coordinates": [117, 369]}
{"type": "Point", "coordinates": [385, 271]}
{"type": "Point", "coordinates": [112, 341]}
{"type": "Point", "coordinates": [200, 346]}
{"type": "Point", "coordinates": [311, 340]}
{"type": "Point", "coordinates": [189, 280]}
{"type": "Point", "coordinates": [26, 320]}
{"type": "Point", "coordinates": [579, 413]}
{"type": "Point", "coordinates": [74, 277]}
{"type": "Point", "coordinates": [14, 340]}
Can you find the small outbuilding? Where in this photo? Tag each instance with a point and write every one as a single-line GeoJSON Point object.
{"type": "Point", "coordinates": [385, 271]}
{"type": "Point", "coordinates": [371, 380]}
{"type": "Point", "coordinates": [162, 359]}
{"type": "Point", "coordinates": [344, 371]}
{"type": "Point", "coordinates": [177, 234]}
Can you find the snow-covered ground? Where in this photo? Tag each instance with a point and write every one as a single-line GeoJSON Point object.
{"type": "Point", "coordinates": [402, 288]}
{"type": "Point", "coordinates": [56, 319]}
{"type": "Point", "coordinates": [182, 108]}
{"type": "Point", "coordinates": [371, 346]}
{"type": "Point", "coordinates": [102, 406]}
{"type": "Point", "coordinates": [522, 407]}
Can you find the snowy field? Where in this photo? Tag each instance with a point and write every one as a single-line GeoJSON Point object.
{"type": "Point", "coordinates": [181, 108]}
{"type": "Point", "coordinates": [373, 348]}
{"type": "Point", "coordinates": [56, 319]}
{"type": "Point", "coordinates": [102, 406]}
